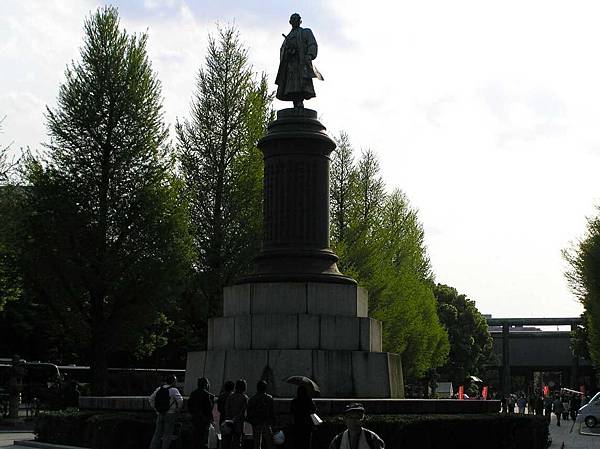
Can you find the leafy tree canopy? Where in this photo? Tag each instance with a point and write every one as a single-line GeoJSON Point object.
{"type": "Point", "coordinates": [380, 242]}
{"type": "Point", "coordinates": [222, 170]}
{"type": "Point", "coordinates": [468, 333]}
{"type": "Point", "coordinates": [107, 226]}
{"type": "Point", "coordinates": [584, 280]}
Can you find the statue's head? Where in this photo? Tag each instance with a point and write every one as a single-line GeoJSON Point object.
{"type": "Point", "coordinates": [295, 20]}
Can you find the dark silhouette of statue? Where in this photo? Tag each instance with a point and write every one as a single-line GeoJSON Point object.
{"type": "Point", "coordinates": [296, 70]}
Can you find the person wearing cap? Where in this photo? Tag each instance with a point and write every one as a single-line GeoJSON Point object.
{"type": "Point", "coordinates": [356, 436]}
{"type": "Point", "coordinates": [200, 405]}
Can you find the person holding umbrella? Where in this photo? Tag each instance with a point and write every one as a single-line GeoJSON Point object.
{"type": "Point", "coordinates": [301, 409]}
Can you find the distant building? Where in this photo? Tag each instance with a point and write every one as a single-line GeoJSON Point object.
{"type": "Point", "coordinates": [526, 357]}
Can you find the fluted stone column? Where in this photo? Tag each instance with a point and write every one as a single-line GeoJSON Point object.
{"type": "Point", "coordinates": [295, 246]}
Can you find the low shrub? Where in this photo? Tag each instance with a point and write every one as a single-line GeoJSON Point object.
{"type": "Point", "coordinates": [490, 431]}
{"type": "Point", "coordinates": [103, 430]}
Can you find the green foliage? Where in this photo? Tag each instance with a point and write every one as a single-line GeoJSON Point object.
{"type": "Point", "coordinates": [470, 339]}
{"type": "Point", "coordinates": [10, 279]}
{"type": "Point", "coordinates": [580, 339]}
{"type": "Point", "coordinates": [10, 276]}
{"type": "Point", "coordinates": [380, 242]}
{"type": "Point", "coordinates": [584, 280]}
{"type": "Point", "coordinates": [222, 169]}
{"type": "Point", "coordinates": [108, 242]}
{"type": "Point", "coordinates": [5, 164]}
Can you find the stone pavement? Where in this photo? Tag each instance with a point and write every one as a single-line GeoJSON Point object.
{"type": "Point", "coordinates": [7, 439]}
{"type": "Point", "coordinates": [573, 440]}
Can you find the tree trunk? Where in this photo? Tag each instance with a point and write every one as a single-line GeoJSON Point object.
{"type": "Point", "coordinates": [99, 365]}
{"type": "Point", "coordinates": [98, 327]}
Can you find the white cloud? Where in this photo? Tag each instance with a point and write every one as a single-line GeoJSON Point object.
{"type": "Point", "coordinates": [484, 113]}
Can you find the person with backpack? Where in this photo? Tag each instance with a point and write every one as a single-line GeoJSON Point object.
{"type": "Point", "coordinates": [166, 401]}
{"type": "Point", "coordinates": [200, 405]}
{"type": "Point", "coordinates": [235, 409]}
{"type": "Point", "coordinates": [261, 414]}
{"type": "Point", "coordinates": [356, 436]}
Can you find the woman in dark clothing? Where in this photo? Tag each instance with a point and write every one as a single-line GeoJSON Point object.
{"type": "Point", "coordinates": [235, 409]}
{"type": "Point", "coordinates": [301, 409]}
{"type": "Point", "coordinates": [228, 386]}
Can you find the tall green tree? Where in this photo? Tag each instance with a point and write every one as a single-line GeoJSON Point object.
{"type": "Point", "coordinates": [10, 278]}
{"type": "Point", "coordinates": [108, 233]}
{"type": "Point", "coordinates": [342, 181]}
{"type": "Point", "coordinates": [470, 339]}
{"type": "Point", "coordinates": [222, 169]}
{"type": "Point", "coordinates": [584, 280]}
{"type": "Point", "coordinates": [5, 164]}
{"type": "Point", "coordinates": [380, 243]}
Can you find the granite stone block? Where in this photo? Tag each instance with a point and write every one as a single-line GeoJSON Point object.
{"type": "Point", "coordinates": [340, 332]}
{"type": "Point", "coordinates": [274, 331]}
{"type": "Point", "coordinates": [243, 332]}
{"type": "Point", "coordinates": [309, 331]}
{"type": "Point", "coordinates": [278, 298]}
{"type": "Point", "coordinates": [236, 299]}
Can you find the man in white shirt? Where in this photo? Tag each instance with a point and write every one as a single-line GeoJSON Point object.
{"type": "Point", "coordinates": [167, 401]}
{"type": "Point", "coordinates": [356, 436]}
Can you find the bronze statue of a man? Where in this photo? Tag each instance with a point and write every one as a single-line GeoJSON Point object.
{"type": "Point", "coordinates": [296, 70]}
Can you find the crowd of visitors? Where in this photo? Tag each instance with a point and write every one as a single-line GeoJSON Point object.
{"type": "Point", "coordinates": [564, 406]}
{"type": "Point", "coordinates": [239, 415]}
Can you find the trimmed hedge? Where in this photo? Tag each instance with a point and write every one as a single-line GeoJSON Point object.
{"type": "Point", "coordinates": [492, 431]}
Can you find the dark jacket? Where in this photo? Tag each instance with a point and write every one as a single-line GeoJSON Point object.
{"type": "Point", "coordinates": [221, 400]}
{"type": "Point", "coordinates": [301, 409]}
{"type": "Point", "coordinates": [261, 409]}
{"type": "Point", "coordinates": [235, 407]}
{"type": "Point", "coordinates": [200, 405]}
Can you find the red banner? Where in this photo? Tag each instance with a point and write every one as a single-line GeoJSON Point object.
{"type": "Point", "coordinates": [484, 392]}
{"type": "Point", "coordinates": [546, 390]}
{"type": "Point", "coordinates": [461, 392]}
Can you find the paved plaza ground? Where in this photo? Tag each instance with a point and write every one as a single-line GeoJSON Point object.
{"type": "Point", "coordinates": [7, 439]}
{"type": "Point", "coordinates": [573, 440]}
{"type": "Point", "coordinates": [560, 435]}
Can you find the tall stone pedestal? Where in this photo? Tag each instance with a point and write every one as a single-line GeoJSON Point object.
{"type": "Point", "coordinates": [272, 330]}
{"type": "Point", "coordinates": [296, 314]}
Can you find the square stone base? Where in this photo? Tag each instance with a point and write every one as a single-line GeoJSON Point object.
{"type": "Point", "coordinates": [290, 298]}
{"type": "Point", "coordinates": [339, 373]}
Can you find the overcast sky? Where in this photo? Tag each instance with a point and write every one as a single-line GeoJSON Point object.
{"type": "Point", "coordinates": [484, 113]}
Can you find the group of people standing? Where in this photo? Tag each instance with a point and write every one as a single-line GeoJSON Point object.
{"type": "Point", "coordinates": [235, 409]}
{"type": "Point", "coordinates": [563, 406]}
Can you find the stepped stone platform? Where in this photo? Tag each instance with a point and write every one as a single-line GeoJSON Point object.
{"type": "Point", "coordinates": [326, 407]}
{"type": "Point", "coordinates": [272, 330]}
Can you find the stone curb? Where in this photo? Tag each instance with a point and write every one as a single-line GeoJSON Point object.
{"type": "Point", "coordinates": [40, 445]}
